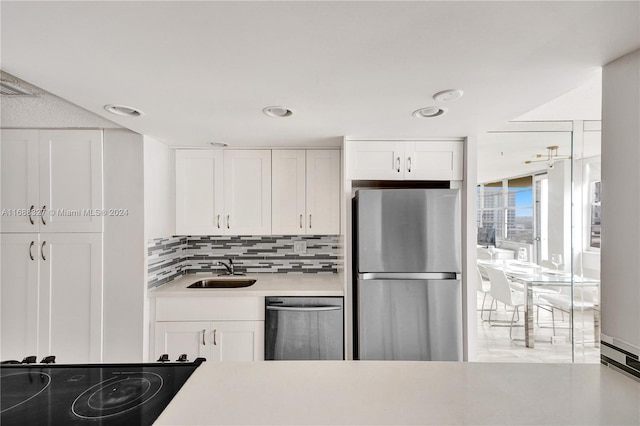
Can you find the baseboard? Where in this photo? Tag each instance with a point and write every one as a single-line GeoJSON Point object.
{"type": "Point", "coordinates": [620, 355]}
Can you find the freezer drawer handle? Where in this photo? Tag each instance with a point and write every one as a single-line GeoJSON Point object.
{"type": "Point", "coordinates": [33, 243]}
{"type": "Point", "coordinates": [398, 164]}
{"type": "Point", "coordinates": [304, 308]}
{"type": "Point", "coordinates": [409, 164]}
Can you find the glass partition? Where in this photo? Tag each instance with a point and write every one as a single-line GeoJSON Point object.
{"type": "Point", "coordinates": [541, 192]}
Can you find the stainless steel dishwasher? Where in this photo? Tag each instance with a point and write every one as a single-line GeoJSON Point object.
{"type": "Point", "coordinates": [304, 328]}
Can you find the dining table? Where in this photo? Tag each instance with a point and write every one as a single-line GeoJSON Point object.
{"type": "Point", "coordinates": [533, 276]}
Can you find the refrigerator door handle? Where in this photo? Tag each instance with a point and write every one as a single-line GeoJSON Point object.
{"type": "Point", "coordinates": [303, 308]}
{"type": "Point", "coordinates": [409, 276]}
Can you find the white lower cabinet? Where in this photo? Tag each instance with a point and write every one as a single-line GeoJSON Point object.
{"type": "Point", "coordinates": [51, 296]}
{"type": "Point", "coordinates": [213, 340]}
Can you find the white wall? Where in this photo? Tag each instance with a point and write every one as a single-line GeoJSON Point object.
{"type": "Point", "coordinates": [124, 248]}
{"type": "Point", "coordinates": [620, 251]}
{"type": "Point", "coordinates": [159, 189]}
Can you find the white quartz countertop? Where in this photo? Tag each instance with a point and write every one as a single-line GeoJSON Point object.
{"type": "Point", "coordinates": [266, 285]}
{"type": "Point", "coordinates": [394, 393]}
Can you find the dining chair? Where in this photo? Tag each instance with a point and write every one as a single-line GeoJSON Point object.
{"type": "Point", "coordinates": [582, 300]}
{"type": "Point", "coordinates": [484, 286]}
{"type": "Point", "coordinates": [502, 291]}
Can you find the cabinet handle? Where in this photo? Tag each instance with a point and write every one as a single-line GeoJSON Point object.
{"type": "Point", "coordinates": [30, 215]}
{"type": "Point", "coordinates": [218, 221]}
{"type": "Point", "coordinates": [309, 221]}
{"type": "Point", "coordinates": [398, 164]}
{"type": "Point", "coordinates": [300, 221]}
{"type": "Point", "coordinates": [33, 243]}
{"type": "Point", "coordinates": [204, 333]}
{"type": "Point", "coordinates": [42, 250]}
{"type": "Point", "coordinates": [44, 209]}
{"type": "Point", "coordinates": [228, 222]}
{"type": "Point", "coordinates": [214, 338]}
{"type": "Point", "coordinates": [409, 164]}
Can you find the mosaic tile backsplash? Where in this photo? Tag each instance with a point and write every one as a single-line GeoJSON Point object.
{"type": "Point", "coordinates": [169, 258]}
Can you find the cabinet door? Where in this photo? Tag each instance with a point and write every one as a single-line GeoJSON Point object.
{"type": "Point", "coordinates": [19, 192]}
{"type": "Point", "coordinates": [183, 337]}
{"type": "Point", "coordinates": [70, 324]}
{"type": "Point", "coordinates": [237, 341]}
{"type": "Point", "coordinates": [71, 180]}
{"type": "Point", "coordinates": [199, 195]}
{"type": "Point", "coordinates": [375, 160]}
{"type": "Point", "coordinates": [247, 192]}
{"type": "Point", "coordinates": [288, 192]}
{"type": "Point", "coordinates": [19, 296]}
{"type": "Point", "coordinates": [434, 160]}
{"type": "Point", "coordinates": [323, 192]}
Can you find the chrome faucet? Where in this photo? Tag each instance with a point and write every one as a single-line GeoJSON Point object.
{"type": "Point", "coordinates": [229, 267]}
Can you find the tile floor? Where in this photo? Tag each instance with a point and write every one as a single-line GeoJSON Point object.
{"type": "Point", "coordinates": [494, 344]}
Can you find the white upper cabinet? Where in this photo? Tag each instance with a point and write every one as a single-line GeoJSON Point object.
{"type": "Point", "coordinates": [223, 192]}
{"type": "Point", "coordinates": [404, 160]}
{"type": "Point", "coordinates": [288, 192]}
{"type": "Point", "coordinates": [323, 192]}
{"type": "Point", "coordinates": [306, 192]}
{"type": "Point", "coordinates": [433, 160]}
{"type": "Point", "coordinates": [199, 192]}
{"type": "Point", "coordinates": [20, 185]}
{"type": "Point", "coordinates": [247, 192]}
{"type": "Point", "coordinates": [52, 181]}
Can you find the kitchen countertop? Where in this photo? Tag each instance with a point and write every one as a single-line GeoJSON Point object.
{"type": "Point", "coordinates": [401, 392]}
{"type": "Point", "coordinates": [266, 285]}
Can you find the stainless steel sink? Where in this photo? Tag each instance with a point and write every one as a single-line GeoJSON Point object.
{"type": "Point", "coordinates": [223, 283]}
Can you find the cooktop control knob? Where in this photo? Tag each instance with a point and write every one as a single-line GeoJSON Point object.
{"type": "Point", "coordinates": [29, 359]}
{"type": "Point", "coordinates": [182, 358]}
{"type": "Point", "coordinates": [51, 359]}
{"type": "Point", "coordinates": [163, 358]}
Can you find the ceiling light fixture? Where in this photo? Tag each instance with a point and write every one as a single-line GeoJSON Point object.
{"type": "Point", "coordinates": [124, 110]}
{"type": "Point", "coordinates": [277, 111]}
{"type": "Point", "coordinates": [429, 112]}
{"type": "Point", "coordinates": [551, 157]}
{"type": "Point", "coordinates": [448, 95]}
{"type": "Point", "coordinates": [219, 144]}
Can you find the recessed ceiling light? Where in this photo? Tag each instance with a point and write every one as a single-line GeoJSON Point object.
{"type": "Point", "coordinates": [219, 144]}
{"type": "Point", "coordinates": [448, 95]}
{"type": "Point", "coordinates": [429, 112]}
{"type": "Point", "coordinates": [277, 111]}
{"type": "Point", "coordinates": [127, 111]}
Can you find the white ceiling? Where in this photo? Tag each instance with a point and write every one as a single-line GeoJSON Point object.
{"type": "Point", "coordinates": [202, 71]}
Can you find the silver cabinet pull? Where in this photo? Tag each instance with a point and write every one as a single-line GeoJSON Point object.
{"type": "Point", "coordinates": [300, 221]}
{"type": "Point", "coordinates": [218, 221]}
{"type": "Point", "coordinates": [409, 164]}
{"type": "Point", "coordinates": [398, 164]}
{"type": "Point", "coordinates": [228, 222]}
{"type": "Point", "coordinates": [33, 243]}
{"type": "Point", "coordinates": [309, 221]}
{"type": "Point", "coordinates": [204, 333]}
{"type": "Point", "coordinates": [44, 209]}
{"type": "Point", "coordinates": [42, 250]}
{"type": "Point", "coordinates": [214, 338]}
{"type": "Point", "coordinates": [30, 215]}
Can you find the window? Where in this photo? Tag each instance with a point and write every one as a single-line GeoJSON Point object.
{"type": "Point", "coordinates": [508, 207]}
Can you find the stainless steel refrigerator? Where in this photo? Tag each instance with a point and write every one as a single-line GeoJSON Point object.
{"type": "Point", "coordinates": [408, 292]}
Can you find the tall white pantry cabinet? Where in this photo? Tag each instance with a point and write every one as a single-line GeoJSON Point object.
{"type": "Point", "coordinates": [51, 201]}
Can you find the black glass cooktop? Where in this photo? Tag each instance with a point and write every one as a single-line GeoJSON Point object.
{"type": "Point", "coordinates": [92, 394]}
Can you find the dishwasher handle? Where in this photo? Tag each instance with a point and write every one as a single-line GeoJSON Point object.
{"type": "Point", "coordinates": [303, 308]}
